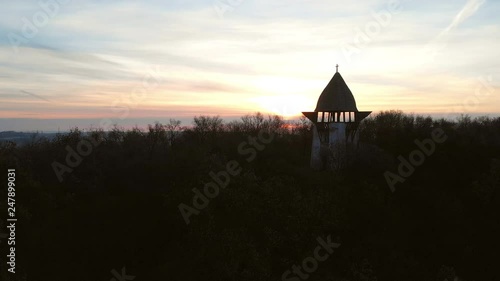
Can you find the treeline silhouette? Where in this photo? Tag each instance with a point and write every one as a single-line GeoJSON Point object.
{"type": "Point", "coordinates": [119, 206]}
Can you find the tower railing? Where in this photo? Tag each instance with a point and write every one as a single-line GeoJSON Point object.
{"type": "Point", "coordinates": [336, 117]}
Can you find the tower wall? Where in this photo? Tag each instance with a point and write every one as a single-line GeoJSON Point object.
{"type": "Point", "coordinates": [325, 155]}
{"type": "Point", "coordinates": [316, 161]}
{"type": "Point", "coordinates": [336, 133]}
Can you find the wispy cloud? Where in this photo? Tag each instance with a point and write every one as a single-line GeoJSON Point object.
{"type": "Point", "coordinates": [469, 9]}
{"type": "Point", "coordinates": [260, 54]}
{"type": "Point", "coordinates": [440, 42]}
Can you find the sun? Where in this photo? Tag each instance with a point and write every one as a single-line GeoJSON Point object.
{"type": "Point", "coordinates": [287, 106]}
{"type": "Point", "coordinates": [283, 96]}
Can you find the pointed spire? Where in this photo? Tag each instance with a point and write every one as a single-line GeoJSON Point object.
{"type": "Point", "coordinates": [336, 96]}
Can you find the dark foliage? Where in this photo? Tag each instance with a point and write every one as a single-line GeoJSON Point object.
{"type": "Point", "coordinates": [120, 205]}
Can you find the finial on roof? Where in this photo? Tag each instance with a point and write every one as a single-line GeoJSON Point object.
{"type": "Point", "coordinates": [337, 66]}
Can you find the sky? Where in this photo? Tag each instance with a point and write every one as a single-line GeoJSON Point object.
{"type": "Point", "coordinates": [67, 63]}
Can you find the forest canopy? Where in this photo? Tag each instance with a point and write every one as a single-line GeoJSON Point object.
{"type": "Point", "coordinates": [114, 202]}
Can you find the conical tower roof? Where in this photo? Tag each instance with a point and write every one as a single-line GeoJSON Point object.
{"type": "Point", "coordinates": [336, 96]}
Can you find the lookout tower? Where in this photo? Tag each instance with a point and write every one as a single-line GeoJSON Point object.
{"type": "Point", "coordinates": [336, 120]}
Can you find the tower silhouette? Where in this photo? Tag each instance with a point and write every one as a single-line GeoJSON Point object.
{"type": "Point", "coordinates": [336, 120]}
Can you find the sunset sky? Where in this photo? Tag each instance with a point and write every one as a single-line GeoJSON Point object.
{"type": "Point", "coordinates": [134, 62]}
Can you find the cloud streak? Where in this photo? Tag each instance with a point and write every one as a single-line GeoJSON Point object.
{"type": "Point", "coordinates": [259, 54]}
{"type": "Point", "coordinates": [34, 95]}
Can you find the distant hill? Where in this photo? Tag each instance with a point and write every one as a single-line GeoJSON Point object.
{"type": "Point", "coordinates": [22, 138]}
